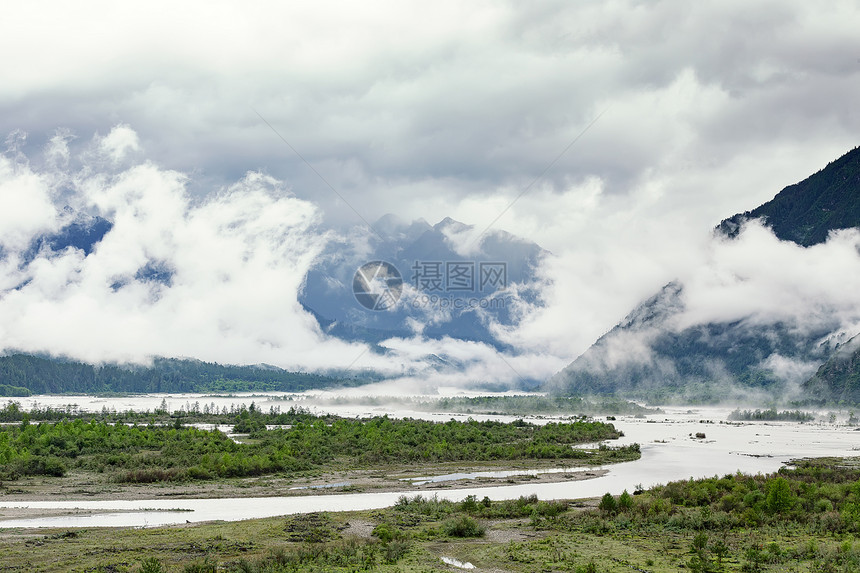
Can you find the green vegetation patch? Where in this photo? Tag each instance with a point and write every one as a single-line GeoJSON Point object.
{"type": "Point", "coordinates": [771, 415]}
{"type": "Point", "coordinates": [153, 453]}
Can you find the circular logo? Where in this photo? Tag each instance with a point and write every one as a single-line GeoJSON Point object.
{"type": "Point", "coordinates": [377, 285]}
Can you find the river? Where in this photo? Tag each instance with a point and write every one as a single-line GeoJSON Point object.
{"type": "Point", "coordinates": [670, 451]}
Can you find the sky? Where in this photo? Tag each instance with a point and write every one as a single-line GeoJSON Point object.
{"type": "Point", "coordinates": [236, 140]}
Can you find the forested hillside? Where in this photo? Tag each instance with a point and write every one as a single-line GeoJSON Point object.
{"type": "Point", "coordinates": [807, 211]}
{"type": "Point", "coordinates": [648, 355]}
{"type": "Point", "coordinates": [839, 378]}
{"type": "Point", "coordinates": [24, 374]}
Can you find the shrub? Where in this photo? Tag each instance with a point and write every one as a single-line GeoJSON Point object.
{"type": "Point", "coordinates": [470, 504]}
{"type": "Point", "coordinates": [463, 526]}
{"type": "Point", "coordinates": [625, 501]}
{"type": "Point", "coordinates": [823, 505]}
{"type": "Point", "coordinates": [431, 507]}
{"type": "Point", "coordinates": [549, 508]}
{"type": "Point", "coordinates": [394, 551]}
{"type": "Point", "coordinates": [152, 565]}
{"type": "Point", "coordinates": [608, 504]}
{"type": "Point", "coordinates": [851, 515]}
{"type": "Point", "coordinates": [205, 566]}
{"type": "Point", "coordinates": [197, 472]}
{"type": "Point", "coordinates": [151, 475]}
{"type": "Point", "coordinates": [779, 496]}
{"type": "Point", "coordinates": [50, 466]}
{"type": "Point", "coordinates": [753, 499]}
{"type": "Point", "coordinates": [386, 533]}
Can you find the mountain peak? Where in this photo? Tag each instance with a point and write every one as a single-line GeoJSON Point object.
{"type": "Point", "coordinates": [393, 227]}
{"type": "Point", "coordinates": [451, 225]}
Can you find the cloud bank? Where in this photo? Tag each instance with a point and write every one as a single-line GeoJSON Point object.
{"type": "Point", "coordinates": [421, 110]}
{"type": "Point", "coordinates": [215, 278]}
{"type": "Point", "coordinates": [228, 266]}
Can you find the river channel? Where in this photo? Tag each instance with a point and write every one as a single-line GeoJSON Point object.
{"type": "Point", "coordinates": [670, 447]}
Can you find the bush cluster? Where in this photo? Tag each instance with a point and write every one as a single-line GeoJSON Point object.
{"type": "Point", "coordinates": [144, 454]}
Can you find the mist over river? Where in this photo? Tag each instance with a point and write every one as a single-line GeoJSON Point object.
{"type": "Point", "coordinates": [670, 448]}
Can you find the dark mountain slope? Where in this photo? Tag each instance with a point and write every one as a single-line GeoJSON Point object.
{"type": "Point", "coordinates": [649, 355]}
{"type": "Point", "coordinates": [645, 357]}
{"type": "Point", "coordinates": [807, 211]}
{"type": "Point", "coordinates": [838, 379]}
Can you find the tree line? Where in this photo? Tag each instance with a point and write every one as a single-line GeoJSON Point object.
{"type": "Point", "coordinates": [25, 374]}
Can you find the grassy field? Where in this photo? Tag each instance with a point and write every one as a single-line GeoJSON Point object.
{"type": "Point", "coordinates": [801, 519]}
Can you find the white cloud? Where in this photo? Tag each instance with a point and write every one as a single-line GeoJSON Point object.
{"type": "Point", "coordinates": [237, 260]}
{"type": "Point", "coordinates": [117, 144]}
{"type": "Point", "coordinates": [237, 257]}
{"type": "Point", "coordinates": [757, 276]}
{"type": "Point", "coordinates": [25, 205]}
{"type": "Point", "coordinates": [425, 110]}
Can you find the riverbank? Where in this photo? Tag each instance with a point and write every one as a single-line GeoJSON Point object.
{"type": "Point", "coordinates": [670, 451]}
{"type": "Point", "coordinates": [800, 519]}
{"type": "Point", "coordinates": [407, 479]}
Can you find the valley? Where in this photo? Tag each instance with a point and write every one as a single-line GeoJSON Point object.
{"type": "Point", "coordinates": [496, 522]}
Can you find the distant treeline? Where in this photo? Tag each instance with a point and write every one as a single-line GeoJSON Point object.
{"type": "Point", "coordinates": [245, 418]}
{"type": "Point", "coordinates": [24, 374]}
{"type": "Point", "coordinates": [516, 405]}
{"type": "Point", "coordinates": [521, 405]}
{"type": "Point", "coordinates": [771, 415]}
